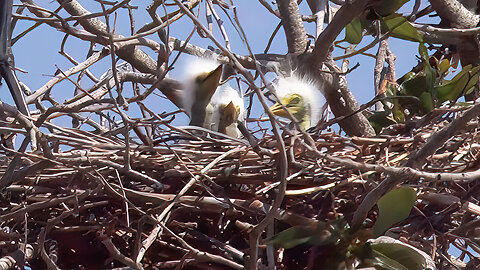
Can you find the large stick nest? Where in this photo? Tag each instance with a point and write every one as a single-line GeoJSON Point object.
{"type": "Point", "coordinates": [192, 198]}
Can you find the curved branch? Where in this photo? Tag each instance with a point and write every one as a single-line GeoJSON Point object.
{"type": "Point", "coordinates": [343, 17]}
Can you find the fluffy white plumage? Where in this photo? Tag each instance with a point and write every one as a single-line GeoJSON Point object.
{"type": "Point", "coordinates": [306, 88]}
{"type": "Point", "coordinates": [223, 96]}
{"type": "Point", "coordinates": [193, 69]}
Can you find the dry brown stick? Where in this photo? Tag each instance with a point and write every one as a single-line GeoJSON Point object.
{"type": "Point", "coordinates": [102, 87]}
{"type": "Point", "coordinates": [17, 258]}
{"type": "Point", "coordinates": [76, 107]}
{"type": "Point", "coordinates": [37, 95]}
{"type": "Point", "coordinates": [214, 205]}
{"type": "Point", "coordinates": [82, 134]}
{"type": "Point", "coordinates": [36, 206]}
{"type": "Point", "coordinates": [410, 172]}
{"type": "Point", "coordinates": [255, 234]}
{"type": "Point", "coordinates": [343, 16]}
{"type": "Point", "coordinates": [335, 89]}
{"type": "Point", "coordinates": [438, 139]}
{"type": "Point", "coordinates": [416, 161]}
{"type": "Point", "coordinates": [75, 62]}
{"type": "Point", "coordinates": [64, 27]}
{"type": "Point", "coordinates": [446, 32]}
{"type": "Point", "coordinates": [33, 132]}
{"type": "Point", "coordinates": [456, 13]}
{"type": "Point", "coordinates": [269, 8]}
{"type": "Point", "coordinates": [166, 20]}
{"type": "Point", "coordinates": [162, 217]}
{"type": "Point", "coordinates": [87, 16]}
{"type": "Point", "coordinates": [127, 212]}
{"type": "Point", "coordinates": [52, 222]}
{"type": "Point", "coordinates": [200, 255]}
{"type": "Point", "coordinates": [203, 256]}
{"type": "Point", "coordinates": [319, 9]}
{"type": "Point", "coordinates": [120, 99]}
{"type": "Point", "coordinates": [281, 144]}
{"type": "Point", "coordinates": [377, 71]}
{"type": "Point", "coordinates": [127, 51]}
{"type": "Point", "coordinates": [105, 163]}
{"type": "Point", "coordinates": [43, 253]}
{"type": "Point", "coordinates": [115, 254]}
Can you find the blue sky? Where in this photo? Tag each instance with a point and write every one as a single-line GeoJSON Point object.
{"type": "Point", "coordinates": [37, 53]}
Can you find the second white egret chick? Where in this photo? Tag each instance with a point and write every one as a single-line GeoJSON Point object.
{"type": "Point", "coordinates": [301, 98]}
{"type": "Point", "coordinates": [228, 108]}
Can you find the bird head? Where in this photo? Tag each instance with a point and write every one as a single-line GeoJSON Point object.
{"type": "Point", "coordinates": [300, 98]}
{"type": "Point", "coordinates": [202, 77]}
{"type": "Point", "coordinates": [202, 80]}
{"type": "Point", "coordinates": [297, 106]}
{"type": "Point", "coordinates": [229, 114]}
{"type": "Point", "coordinates": [206, 83]}
{"type": "Point", "coordinates": [229, 108]}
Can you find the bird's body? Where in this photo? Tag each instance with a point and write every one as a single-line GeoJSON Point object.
{"type": "Point", "coordinates": [209, 104]}
{"type": "Point", "coordinates": [301, 98]}
{"type": "Point", "coordinates": [228, 108]}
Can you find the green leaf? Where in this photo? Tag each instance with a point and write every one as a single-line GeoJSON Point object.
{"type": "Point", "coordinates": [428, 70]}
{"type": "Point", "coordinates": [473, 79]}
{"type": "Point", "coordinates": [387, 263]}
{"type": "Point", "coordinates": [317, 234]}
{"type": "Point", "coordinates": [398, 114]}
{"type": "Point", "coordinates": [461, 84]}
{"type": "Point", "coordinates": [399, 27]}
{"type": "Point", "coordinates": [406, 77]}
{"type": "Point", "coordinates": [380, 119]}
{"type": "Point", "coordinates": [392, 254]}
{"type": "Point", "coordinates": [394, 207]}
{"type": "Point", "coordinates": [414, 85]}
{"type": "Point", "coordinates": [422, 50]}
{"type": "Point", "coordinates": [430, 78]}
{"type": "Point", "coordinates": [427, 101]}
{"type": "Point", "coordinates": [354, 31]}
{"type": "Point", "coordinates": [291, 237]}
{"type": "Point", "coordinates": [387, 7]}
{"type": "Point", "coordinates": [443, 66]}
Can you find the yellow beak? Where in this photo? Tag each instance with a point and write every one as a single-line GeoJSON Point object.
{"type": "Point", "coordinates": [209, 84]}
{"type": "Point", "coordinates": [278, 110]}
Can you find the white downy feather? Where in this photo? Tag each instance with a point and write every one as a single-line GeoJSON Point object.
{"type": "Point", "coordinates": [306, 88]}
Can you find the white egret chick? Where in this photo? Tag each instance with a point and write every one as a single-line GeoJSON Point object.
{"type": "Point", "coordinates": [202, 79]}
{"type": "Point", "coordinates": [228, 108]}
{"type": "Point", "coordinates": [301, 98]}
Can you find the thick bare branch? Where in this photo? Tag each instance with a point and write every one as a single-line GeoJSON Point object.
{"type": "Point", "coordinates": [293, 26]}
{"type": "Point", "coordinates": [454, 12]}
{"type": "Point", "coordinates": [344, 16]}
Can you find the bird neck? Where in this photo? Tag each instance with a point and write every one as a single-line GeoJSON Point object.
{"type": "Point", "coordinates": [201, 114]}
{"type": "Point", "coordinates": [305, 122]}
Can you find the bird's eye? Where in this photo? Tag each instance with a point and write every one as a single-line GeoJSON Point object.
{"type": "Point", "coordinates": [295, 100]}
